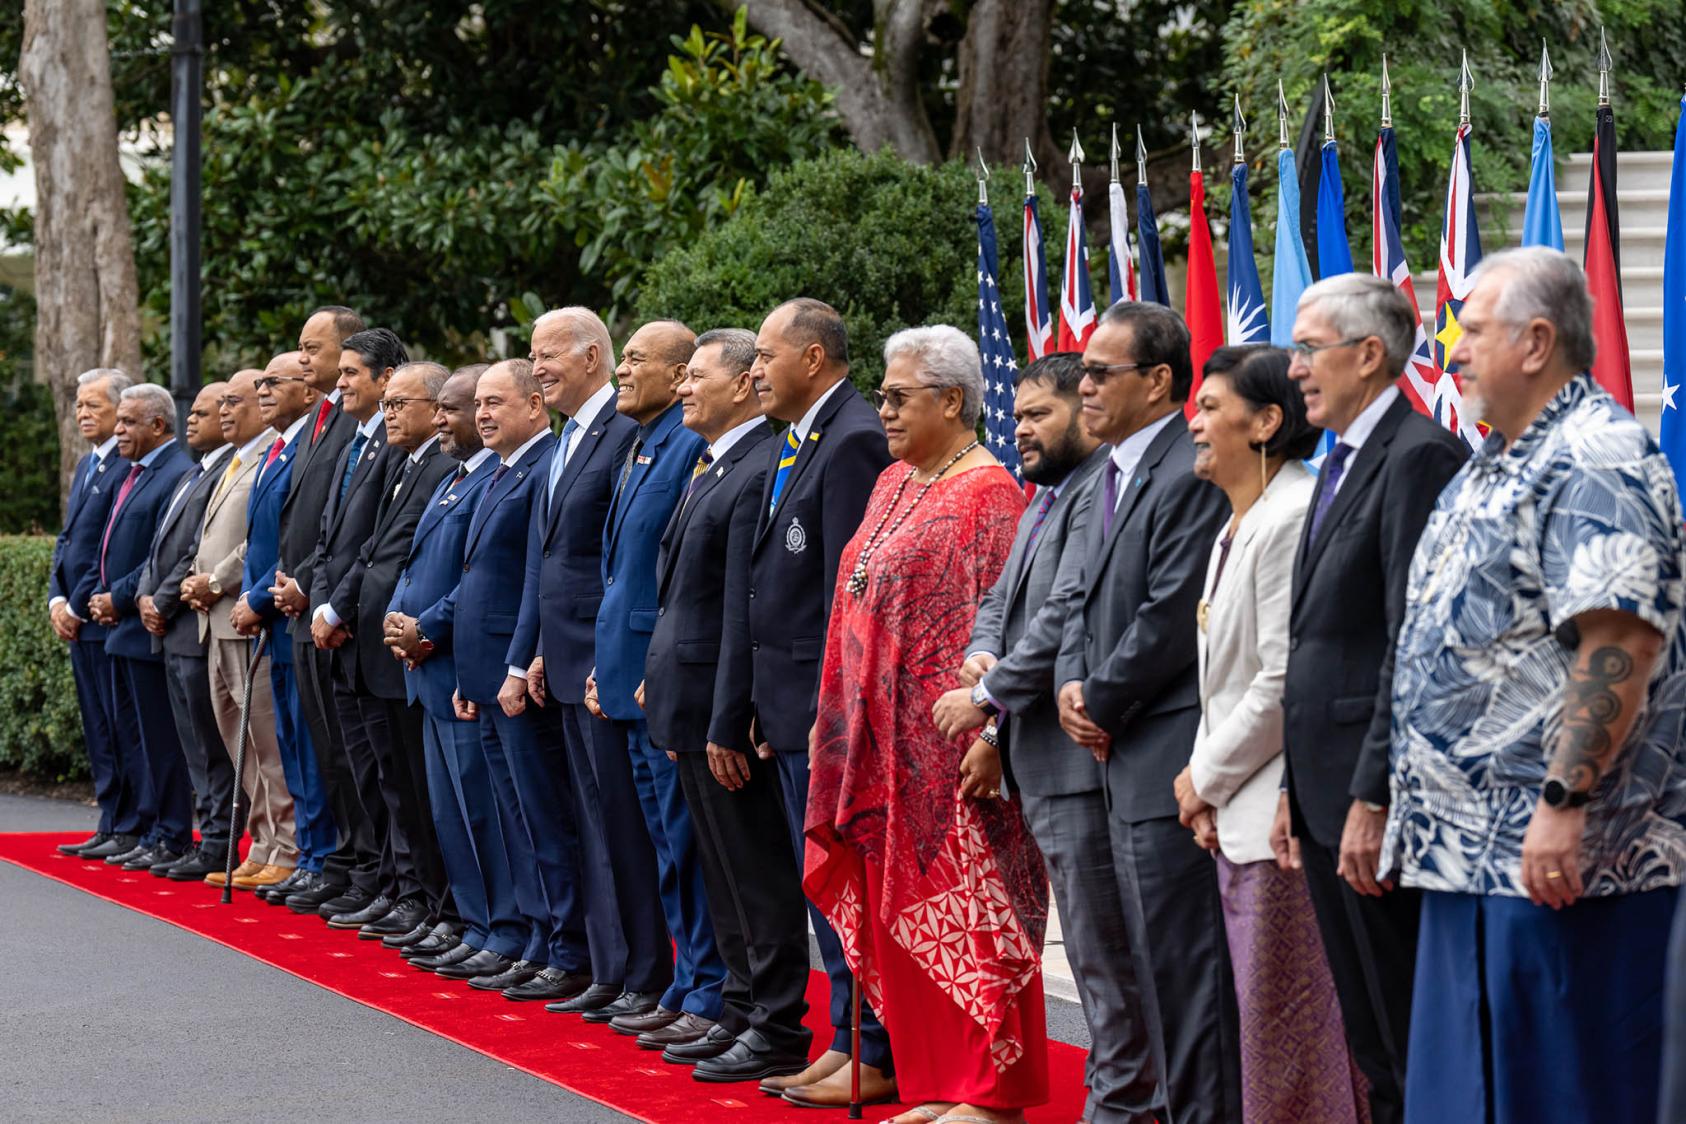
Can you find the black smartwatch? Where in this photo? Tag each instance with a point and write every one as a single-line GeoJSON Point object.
{"type": "Point", "coordinates": [980, 699]}
{"type": "Point", "coordinates": [1558, 794]}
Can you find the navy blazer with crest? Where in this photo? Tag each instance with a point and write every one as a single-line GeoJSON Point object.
{"type": "Point", "coordinates": [76, 552]}
{"type": "Point", "coordinates": [128, 545]}
{"type": "Point", "coordinates": [564, 558]}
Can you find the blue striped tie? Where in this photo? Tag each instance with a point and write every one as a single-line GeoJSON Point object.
{"type": "Point", "coordinates": [355, 451]}
{"type": "Point", "coordinates": [787, 461]}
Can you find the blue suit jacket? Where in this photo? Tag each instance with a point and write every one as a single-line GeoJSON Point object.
{"type": "Point", "coordinates": [129, 545]}
{"type": "Point", "coordinates": [488, 600]}
{"type": "Point", "coordinates": [631, 543]}
{"type": "Point", "coordinates": [427, 587]}
{"type": "Point", "coordinates": [263, 543]}
{"type": "Point", "coordinates": [76, 553]}
{"type": "Point", "coordinates": [564, 579]}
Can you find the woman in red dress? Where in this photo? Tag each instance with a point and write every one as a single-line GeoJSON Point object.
{"type": "Point", "coordinates": [932, 881]}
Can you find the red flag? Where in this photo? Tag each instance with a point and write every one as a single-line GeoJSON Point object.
{"type": "Point", "coordinates": [1603, 266]}
{"type": "Point", "coordinates": [1201, 309]}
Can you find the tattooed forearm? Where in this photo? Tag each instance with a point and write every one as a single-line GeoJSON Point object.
{"type": "Point", "coordinates": [1595, 721]}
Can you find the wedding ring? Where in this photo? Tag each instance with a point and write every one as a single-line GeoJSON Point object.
{"type": "Point", "coordinates": [1554, 874]}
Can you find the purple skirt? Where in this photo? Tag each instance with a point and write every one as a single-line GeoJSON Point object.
{"type": "Point", "coordinates": [1295, 1065]}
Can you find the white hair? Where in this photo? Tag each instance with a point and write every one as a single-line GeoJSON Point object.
{"type": "Point", "coordinates": [116, 382]}
{"type": "Point", "coordinates": [946, 357]}
{"type": "Point", "coordinates": [584, 327]}
{"type": "Point", "coordinates": [155, 402]}
{"type": "Point", "coordinates": [1544, 284]}
{"type": "Point", "coordinates": [1360, 305]}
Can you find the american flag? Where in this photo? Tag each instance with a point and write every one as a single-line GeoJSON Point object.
{"type": "Point", "coordinates": [996, 349]}
{"type": "Point", "coordinates": [1038, 316]}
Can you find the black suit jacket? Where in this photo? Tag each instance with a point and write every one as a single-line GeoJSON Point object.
{"type": "Point", "coordinates": [174, 545]}
{"type": "Point", "coordinates": [1349, 599]}
{"type": "Point", "coordinates": [315, 477]}
{"type": "Point", "coordinates": [793, 562]}
{"type": "Point", "coordinates": [346, 526]}
{"type": "Point", "coordinates": [368, 586]}
{"type": "Point", "coordinates": [697, 672]}
{"type": "Point", "coordinates": [1130, 638]}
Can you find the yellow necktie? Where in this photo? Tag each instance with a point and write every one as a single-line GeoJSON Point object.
{"type": "Point", "coordinates": [232, 471]}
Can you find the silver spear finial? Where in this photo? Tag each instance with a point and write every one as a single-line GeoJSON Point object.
{"type": "Point", "coordinates": [1466, 83]}
{"type": "Point", "coordinates": [1281, 116]}
{"type": "Point", "coordinates": [1029, 170]}
{"type": "Point", "coordinates": [1113, 155]}
{"type": "Point", "coordinates": [1194, 137]}
{"type": "Point", "coordinates": [1328, 112]}
{"type": "Point", "coordinates": [1387, 97]}
{"type": "Point", "coordinates": [1605, 64]}
{"type": "Point", "coordinates": [1141, 157]}
{"type": "Point", "coordinates": [1545, 80]}
{"type": "Point", "coordinates": [1238, 126]}
{"type": "Point", "coordinates": [1075, 155]}
{"type": "Point", "coordinates": [983, 180]}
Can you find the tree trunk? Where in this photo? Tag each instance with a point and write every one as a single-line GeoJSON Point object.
{"type": "Point", "coordinates": [86, 294]}
{"type": "Point", "coordinates": [877, 95]}
{"type": "Point", "coordinates": [1003, 95]}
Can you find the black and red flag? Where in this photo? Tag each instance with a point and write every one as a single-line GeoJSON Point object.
{"type": "Point", "coordinates": [1603, 261]}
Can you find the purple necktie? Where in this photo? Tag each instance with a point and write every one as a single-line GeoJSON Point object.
{"type": "Point", "coordinates": [123, 494]}
{"type": "Point", "coordinates": [1333, 466]}
{"type": "Point", "coordinates": [1041, 517]}
{"type": "Point", "coordinates": [1109, 495]}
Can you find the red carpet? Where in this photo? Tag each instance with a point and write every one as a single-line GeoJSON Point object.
{"type": "Point", "coordinates": [590, 1061]}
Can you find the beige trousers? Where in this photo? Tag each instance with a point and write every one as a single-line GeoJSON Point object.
{"type": "Point", "coordinates": [271, 819]}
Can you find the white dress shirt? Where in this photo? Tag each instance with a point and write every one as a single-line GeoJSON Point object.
{"type": "Point", "coordinates": [1362, 426]}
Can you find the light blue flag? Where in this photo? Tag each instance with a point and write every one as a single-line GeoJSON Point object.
{"type": "Point", "coordinates": [1671, 430]}
{"type": "Point", "coordinates": [1291, 272]}
{"type": "Point", "coordinates": [1334, 252]}
{"type": "Point", "coordinates": [1542, 222]}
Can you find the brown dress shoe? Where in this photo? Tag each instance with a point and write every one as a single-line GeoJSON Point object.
{"type": "Point", "coordinates": [264, 876]}
{"type": "Point", "coordinates": [818, 1070]}
{"type": "Point", "coordinates": [833, 1091]}
{"type": "Point", "coordinates": [244, 870]}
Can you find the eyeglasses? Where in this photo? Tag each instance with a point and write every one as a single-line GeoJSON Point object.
{"type": "Point", "coordinates": [1307, 351]}
{"type": "Point", "coordinates": [231, 401]}
{"type": "Point", "coordinates": [270, 382]}
{"type": "Point", "coordinates": [393, 405]}
{"type": "Point", "coordinates": [897, 396]}
{"type": "Point", "coordinates": [1098, 373]}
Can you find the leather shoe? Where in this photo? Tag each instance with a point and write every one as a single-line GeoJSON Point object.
{"type": "Point", "coordinates": [750, 1058]}
{"type": "Point", "coordinates": [591, 999]}
{"type": "Point", "coordinates": [686, 1028]}
{"type": "Point", "coordinates": [634, 1025]}
{"type": "Point", "coordinates": [246, 868]}
{"type": "Point", "coordinates": [440, 938]}
{"type": "Point", "coordinates": [376, 909]}
{"type": "Point", "coordinates": [126, 856]}
{"type": "Point", "coordinates": [267, 876]}
{"type": "Point", "coordinates": [163, 858]}
{"type": "Point", "coordinates": [550, 983]}
{"type": "Point", "coordinates": [350, 899]}
{"type": "Point", "coordinates": [141, 859]}
{"type": "Point", "coordinates": [88, 844]}
{"type": "Point", "coordinates": [294, 882]}
{"type": "Point", "coordinates": [834, 1091]}
{"type": "Point", "coordinates": [406, 915]}
{"type": "Point", "coordinates": [454, 955]}
{"type": "Point", "coordinates": [515, 975]}
{"type": "Point", "coordinates": [482, 963]}
{"type": "Point", "coordinates": [818, 1070]}
{"type": "Point", "coordinates": [711, 1045]}
{"type": "Point", "coordinates": [628, 1003]}
{"type": "Point", "coordinates": [303, 901]}
{"type": "Point", "coordinates": [196, 866]}
{"type": "Point", "coordinates": [113, 845]}
{"type": "Point", "coordinates": [405, 940]}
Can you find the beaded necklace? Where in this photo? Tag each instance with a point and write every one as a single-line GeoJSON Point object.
{"type": "Point", "coordinates": [857, 577]}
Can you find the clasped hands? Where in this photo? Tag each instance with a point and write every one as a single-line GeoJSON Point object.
{"type": "Point", "coordinates": [1193, 812]}
{"type": "Point", "coordinates": [954, 714]}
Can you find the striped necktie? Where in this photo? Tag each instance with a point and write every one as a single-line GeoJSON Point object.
{"type": "Point", "coordinates": [1041, 518]}
{"type": "Point", "coordinates": [787, 461]}
{"type": "Point", "coordinates": [356, 451]}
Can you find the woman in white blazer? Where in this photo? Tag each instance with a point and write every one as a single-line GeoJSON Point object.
{"type": "Point", "coordinates": [1250, 438]}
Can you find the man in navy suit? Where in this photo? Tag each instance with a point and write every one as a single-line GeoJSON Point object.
{"type": "Point", "coordinates": [529, 780]}
{"type": "Point", "coordinates": [69, 585]}
{"type": "Point", "coordinates": [647, 488]}
{"type": "Point", "coordinates": [819, 477]}
{"type": "Point", "coordinates": [696, 695]}
{"type": "Point", "coordinates": [630, 951]}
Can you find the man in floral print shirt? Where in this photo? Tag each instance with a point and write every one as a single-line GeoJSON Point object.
{"type": "Point", "coordinates": [1536, 730]}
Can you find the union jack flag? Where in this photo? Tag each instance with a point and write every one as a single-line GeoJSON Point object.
{"type": "Point", "coordinates": [1460, 253]}
{"type": "Point", "coordinates": [1038, 316]}
{"type": "Point", "coordinates": [1077, 302]}
{"type": "Point", "coordinates": [1387, 259]}
{"type": "Point", "coordinates": [996, 349]}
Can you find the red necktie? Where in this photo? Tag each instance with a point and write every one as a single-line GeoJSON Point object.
{"type": "Point", "coordinates": [321, 419]}
{"type": "Point", "coordinates": [274, 451]}
{"type": "Point", "coordinates": [122, 494]}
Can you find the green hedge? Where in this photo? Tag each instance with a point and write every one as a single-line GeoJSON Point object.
{"type": "Point", "coordinates": [40, 728]}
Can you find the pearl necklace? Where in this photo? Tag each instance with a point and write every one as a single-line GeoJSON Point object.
{"type": "Point", "coordinates": [858, 577]}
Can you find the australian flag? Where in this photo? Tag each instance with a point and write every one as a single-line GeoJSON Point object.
{"type": "Point", "coordinates": [996, 349]}
{"type": "Point", "coordinates": [1460, 253]}
{"type": "Point", "coordinates": [1248, 322]}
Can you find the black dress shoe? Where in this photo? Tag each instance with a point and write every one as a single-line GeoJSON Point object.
{"type": "Point", "coordinates": [350, 899]}
{"type": "Point", "coordinates": [161, 857]}
{"type": "Point", "coordinates": [628, 1003]}
{"type": "Point", "coordinates": [406, 915]}
{"type": "Point", "coordinates": [515, 975]}
{"type": "Point", "coordinates": [549, 984]}
{"type": "Point", "coordinates": [162, 869]}
{"type": "Point", "coordinates": [196, 866]}
{"type": "Point", "coordinates": [309, 901]}
{"type": "Point", "coordinates": [634, 1025]}
{"type": "Point", "coordinates": [750, 1058]}
{"type": "Point", "coordinates": [686, 1028]}
{"type": "Point", "coordinates": [277, 894]}
{"type": "Point", "coordinates": [114, 845]}
{"type": "Point", "coordinates": [143, 859]}
{"type": "Point", "coordinates": [374, 911]}
{"type": "Point", "coordinates": [593, 998]}
{"type": "Point", "coordinates": [441, 938]}
{"type": "Point", "coordinates": [711, 1045]}
{"type": "Point", "coordinates": [482, 963]}
{"type": "Point", "coordinates": [87, 844]}
{"type": "Point", "coordinates": [454, 955]}
{"type": "Point", "coordinates": [123, 857]}
{"type": "Point", "coordinates": [406, 940]}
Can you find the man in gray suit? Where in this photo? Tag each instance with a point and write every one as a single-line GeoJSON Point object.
{"type": "Point", "coordinates": [1129, 694]}
{"type": "Point", "coordinates": [175, 632]}
{"type": "Point", "coordinates": [1009, 683]}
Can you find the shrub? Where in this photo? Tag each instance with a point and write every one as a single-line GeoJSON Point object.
{"type": "Point", "coordinates": [40, 726]}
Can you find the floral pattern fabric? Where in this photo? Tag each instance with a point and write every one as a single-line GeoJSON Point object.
{"type": "Point", "coordinates": [1580, 514]}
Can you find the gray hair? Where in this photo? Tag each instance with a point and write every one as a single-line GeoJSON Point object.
{"type": "Point", "coordinates": [116, 382]}
{"type": "Point", "coordinates": [433, 375]}
{"type": "Point", "coordinates": [155, 402]}
{"type": "Point", "coordinates": [737, 347]}
{"type": "Point", "coordinates": [584, 327]}
{"type": "Point", "coordinates": [1360, 305]}
{"type": "Point", "coordinates": [1545, 284]}
{"type": "Point", "coordinates": [521, 374]}
{"type": "Point", "coordinates": [946, 357]}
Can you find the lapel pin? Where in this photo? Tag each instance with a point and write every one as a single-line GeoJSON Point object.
{"type": "Point", "coordinates": [721, 471]}
{"type": "Point", "coordinates": [643, 458]}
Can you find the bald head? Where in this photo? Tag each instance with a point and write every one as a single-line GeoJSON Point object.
{"type": "Point", "coordinates": [284, 393]}
{"type": "Point", "coordinates": [453, 414]}
{"type": "Point", "coordinates": [238, 417]}
{"type": "Point", "coordinates": [652, 365]}
{"type": "Point", "coordinates": [202, 433]}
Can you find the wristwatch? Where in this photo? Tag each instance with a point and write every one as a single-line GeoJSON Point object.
{"type": "Point", "coordinates": [981, 700]}
{"type": "Point", "coordinates": [423, 644]}
{"type": "Point", "coordinates": [991, 735]}
{"type": "Point", "coordinates": [214, 586]}
{"type": "Point", "coordinates": [1558, 794]}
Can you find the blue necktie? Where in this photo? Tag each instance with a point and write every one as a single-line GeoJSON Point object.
{"type": "Point", "coordinates": [787, 461]}
{"type": "Point", "coordinates": [559, 460]}
{"type": "Point", "coordinates": [1334, 465]}
{"type": "Point", "coordinates": [357, 444]}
